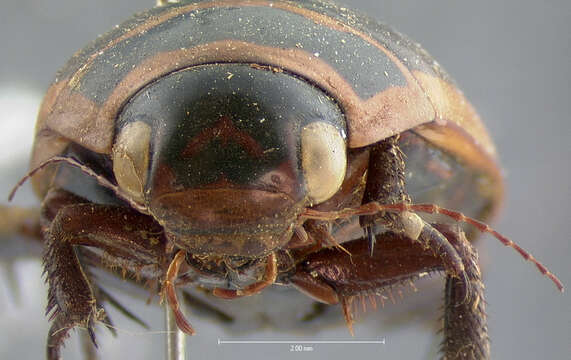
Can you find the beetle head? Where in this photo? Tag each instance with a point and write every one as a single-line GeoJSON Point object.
{"type": "Point", "coordinates": [226, 156]}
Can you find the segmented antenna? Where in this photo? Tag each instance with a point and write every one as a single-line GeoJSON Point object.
{"type": "Point", "coordinates": [101, 180]}
{"type": "Point", "coordinates": [375, 207]}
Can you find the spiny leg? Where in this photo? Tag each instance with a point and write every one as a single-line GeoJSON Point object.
{"type": "Point", "coordinates": [331, 276]}
{"type": "Point", "coordinates": [385, 184]}
{"type": "Point", "coordinates": [376, 207]}
{"type": "Point", "coordinates": [127, 238]}
{"type": "Point", "coordinates": [465, 325]}
{"type": "Point", "coordinates": [71, 300]}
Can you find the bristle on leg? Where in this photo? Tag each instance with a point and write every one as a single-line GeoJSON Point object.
{"type": "Point", "coordinates": [346, 304]}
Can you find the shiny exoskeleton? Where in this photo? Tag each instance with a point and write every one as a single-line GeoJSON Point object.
{"type": "Point", "coordinates": [233, 145]}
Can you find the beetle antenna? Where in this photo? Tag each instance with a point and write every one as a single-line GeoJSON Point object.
{"type": "Point", "coordinates": [375, 207]}
{"type": "Point", "coordinates": [101, 180]}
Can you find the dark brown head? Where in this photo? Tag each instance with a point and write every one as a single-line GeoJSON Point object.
{"type": "Point", "coordinates": [227, 156]}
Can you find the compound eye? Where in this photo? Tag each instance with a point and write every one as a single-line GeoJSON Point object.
{"type": "Point", "coordinates": [323, 159]}
{"type": "Point", "coordinates": [131, 158]}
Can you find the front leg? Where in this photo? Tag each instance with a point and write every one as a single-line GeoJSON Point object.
{"type": "Point", "coordinates": [332, 277]}
{"type": "Point", "coordinates": [385, 184]}
{"type": "Point", "coordinates": [128, 239]}
{"type": "Point", "coordinates": [465, 327]}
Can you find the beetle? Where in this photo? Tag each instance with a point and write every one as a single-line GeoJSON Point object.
{"type": "Point", "coordinates": [401, 132]}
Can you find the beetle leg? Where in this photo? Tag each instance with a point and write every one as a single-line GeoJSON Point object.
{"type": "Point", "coordinates": [127, 238]}
{"type": "Point", "coordinates": [385, 184]}
{"type": "Point", "coordinates": [376, 207]}
{"type": "Point", "coordinates": [71, 301]}
{"type": "Point", "coordinates": [269, 278]}
{"type": "Point", "coordinates": [348, 275]}
{"type": "Point", "coordinates": [465, 326]}
{"type": "Point", "coordinates": [432, 239]}
{"type": "Point", "coordinates": [331, 276]}
{"type": "Point", "coordinates": [314, 287]}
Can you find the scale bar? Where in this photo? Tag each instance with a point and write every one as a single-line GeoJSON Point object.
{"type": "Point", "coordinates": [380, 341]}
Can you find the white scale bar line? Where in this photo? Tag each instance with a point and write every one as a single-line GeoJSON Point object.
{"type": "Point", "coordinates": [381, 341]}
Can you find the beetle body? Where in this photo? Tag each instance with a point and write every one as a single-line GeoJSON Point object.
{"type": "Point", "coordinates": [218, 143]}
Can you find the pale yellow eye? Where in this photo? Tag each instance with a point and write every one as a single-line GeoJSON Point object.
{"type": "Point", "coordinates": [323, 159]}
{"type": "Point", "coordinates": [131, 158]}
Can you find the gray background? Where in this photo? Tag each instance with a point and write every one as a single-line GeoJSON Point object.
{"type": "Point", "coordinates": [512, 59]}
